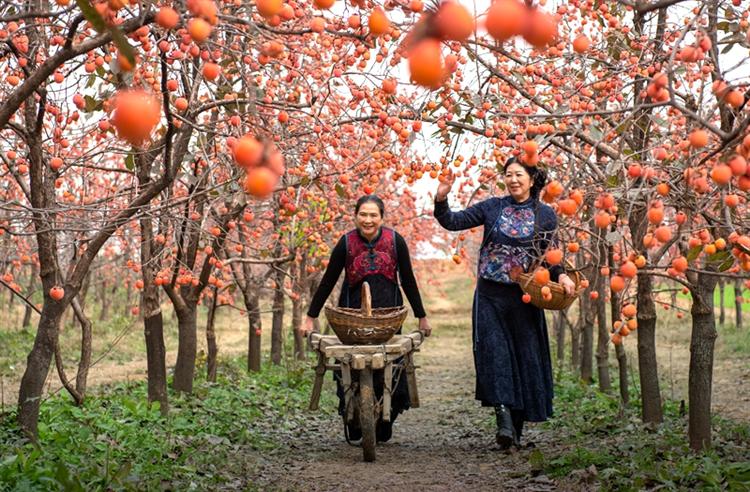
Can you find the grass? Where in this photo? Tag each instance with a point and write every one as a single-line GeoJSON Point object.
{"type": "Point", "coordinates": [603, 440]}
{"type": "Point", "coordinates": [729, 296]}
{"type": "Point", "coordinates": [116, 441]}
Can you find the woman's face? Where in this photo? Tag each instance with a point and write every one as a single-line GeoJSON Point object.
{"type": "Point", "coordinates": [368, 220]}
{"type": "Point", "coordinates": [517, 182]}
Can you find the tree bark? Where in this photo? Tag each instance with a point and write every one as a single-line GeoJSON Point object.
{"type": "Point", "coordinates": [153, 331]}
{"type": "Point", "coordinates": [299, 273]}
{"type": "Point", "coordinates": [277, 325]}
{"type": "Point", "coordinates": [602, 345]}
{"type": "Point", "coordinates": [722, 309]}
{"type": "Point", "coordinates": [153, 321]}
{"type": "Point", "coordinates": [560, 336]}
{"type": "Point", "coordinates": [652, 412]}
{"type": "Point", "coordinates": [587, 342]}
{"type": "Point", "coordinates": [184, 369]}
{"type": "Point", "coordinates": [738, 304]}
{"type": "Point", "coordinates": [27, 312]}
{"type": "Point", "coordinates": [104, 300]}
{"type": "Point", "coordinates": [299, 341]}
{"type": "Point", "coordinates": [37, 367]}
{"type": "Point", "coordinates": [252, 305]}
{"type": "Point", "coordinates": [85, 361]}
{"type": "Point", "coordinates": [211, 340]}
{"type": "Point", "coordinates": [702, 341]}
{"type": "Point", "coordinates": [575, 338]}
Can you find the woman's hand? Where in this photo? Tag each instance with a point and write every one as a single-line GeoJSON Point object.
{"type": "Point", "coordinates": [424, 327]}
{"type": "Point", "coordinates": [307, 326]}
{"type": "Point", "coordinates": [445, 187]}
{"type": "Point", "coordinates": [567, 284]}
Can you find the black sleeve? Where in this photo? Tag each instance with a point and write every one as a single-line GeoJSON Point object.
{"type": "Point", "coordinates": [458, 221]}
{"type": "Point", "coordinates": [408, 282]}
{"type": "Point", "coordinates": [330, 277]}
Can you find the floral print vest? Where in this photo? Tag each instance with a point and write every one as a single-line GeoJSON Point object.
{"type": "Point", "coordinates": [508, 248]}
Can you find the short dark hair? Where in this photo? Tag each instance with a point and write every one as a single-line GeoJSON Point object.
{"type": "Point", "coordinates": [370, 199]}
{"type": "Point", "coordinates": [538, 176]}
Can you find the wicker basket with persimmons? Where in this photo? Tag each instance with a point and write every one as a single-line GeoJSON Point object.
{"type": "Point", "coordinates": [542, 292]}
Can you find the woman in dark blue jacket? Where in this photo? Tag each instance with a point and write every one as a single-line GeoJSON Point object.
{"type": "Point", "coordinates": [511, 346]}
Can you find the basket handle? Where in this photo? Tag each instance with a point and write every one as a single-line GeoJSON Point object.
{"type": "Point", "coordinates": [366, 300]}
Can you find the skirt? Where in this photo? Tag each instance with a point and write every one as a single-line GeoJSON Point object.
{"type": "Point", "coordinates": [511, 351]}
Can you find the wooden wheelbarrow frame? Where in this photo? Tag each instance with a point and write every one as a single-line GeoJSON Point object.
{"type": "Point", "coordinates": [360, 400]}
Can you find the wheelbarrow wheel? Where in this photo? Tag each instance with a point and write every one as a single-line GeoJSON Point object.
{"type": "Point", "coordinates": [367, 414]}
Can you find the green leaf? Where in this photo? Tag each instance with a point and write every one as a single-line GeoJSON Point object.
{"type": "Point", "coordinates": [718, 256]}
{"type": "Point", "coordinates": [92, 15]}
{"type": "Point", "coordinates": [92, 104]}
{"type": "Point", "coordinates": [595, 132]}
{"type": "Point", "coordinates": [694, 252]}
{"type": "Point", "coordinates": [340, 190]}
{"type": "Point", "coordinates": [727, 264]}
{"type": "Point", "coordinates": [130, 162]}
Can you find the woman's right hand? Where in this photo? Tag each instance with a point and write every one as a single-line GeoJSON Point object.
{"type": "Point", "coordinates": [307, 326]}
{"type": "Point", "coordinates": [446, 183]}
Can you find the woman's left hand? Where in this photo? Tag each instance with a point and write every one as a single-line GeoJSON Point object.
{"type": "Point", "coordinates": [424, 327]}
{"type": "Point", "coordinates": [567, 284]}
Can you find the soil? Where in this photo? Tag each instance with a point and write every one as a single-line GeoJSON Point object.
{"type": "Point", "coordinates": [446, 444]}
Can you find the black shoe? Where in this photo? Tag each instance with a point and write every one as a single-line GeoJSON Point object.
{"type": "Point", "coordinates": [383, 431]}
{"type": "Point", "coordinates": [506, 433]}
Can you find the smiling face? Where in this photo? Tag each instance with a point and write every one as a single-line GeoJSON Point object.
{"type": "Point", "coordinates": [517, 182]}
{"type": "Point", "coordinates": [368, 220]}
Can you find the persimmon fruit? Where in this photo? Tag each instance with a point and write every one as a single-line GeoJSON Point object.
{"type": "Point", "coordinates": [505, 19]}
{"type": "Point", "coordinates": [136, 113]}
{"type": "Point", "coordinates": [57, 293]}
{"type": "Point", "coordinates": [426, 63]}
{"type": "Point", "coordinates": [453, 21]}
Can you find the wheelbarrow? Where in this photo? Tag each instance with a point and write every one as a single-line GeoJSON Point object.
{"type": "Point", "coordinates": [358, 352]}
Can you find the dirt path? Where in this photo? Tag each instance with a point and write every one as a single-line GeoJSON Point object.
{"type": "Point", "coordinates": [446, 444]}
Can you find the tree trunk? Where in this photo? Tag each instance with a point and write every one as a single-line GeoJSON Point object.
{"type": "Point", "coordinates": [252, 305]}
{"type": "Point", "coordinates": [722, 309]}
{"type": "Point", "coordinates": [128, 301]}
{"type": "Point", "coordinates": [652, 412]}
{"type": "Point", "coordinates": [700, 378]}
{"type": "Point", "coordinates": [184, 369]}
{"type": "Point", "coordinates": [299, 341]}
{"type": "Point", "coordinates": [738, 304]}
{"type": "Point", "coordinates": [153, 330]}
{"type": "Point", "coordinates": [575, 339]}
{"type": "Point", "coordinates": [85, 361]}
{"type": "Point", "coordinates": [37, 367]}
{"type": "Point", "coordinates": [560, 336]}
{"type": "Point", "coordinates": [211, 340]}
{"type": "Point", "coordinates": [587, 342]}
{"type": "Point", "coordinates": [277, 325]}
{"type": "Point", "coordinates": [104, 300]}
{"type": "Point", "coordinates": [602, 345]}
{"type": "Point", "coordinates": [27, 312]}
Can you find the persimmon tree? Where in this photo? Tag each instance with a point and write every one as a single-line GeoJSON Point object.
{"type": "Point", "coordinates": [226, 143]}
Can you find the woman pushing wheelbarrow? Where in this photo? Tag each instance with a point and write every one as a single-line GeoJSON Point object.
{"type": "Point", "coordinates": [378, 256]}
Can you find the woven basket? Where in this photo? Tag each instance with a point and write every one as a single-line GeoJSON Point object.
{"type": "Point", "coordinates": [560, 300]}
{"type": "Point", "coordinates": [365, 326]}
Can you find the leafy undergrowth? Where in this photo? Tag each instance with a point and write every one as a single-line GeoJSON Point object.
{"type": "Point", "coordinates": [116, 441]}
{"type": "Point", "coordinates": [611, 447]}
